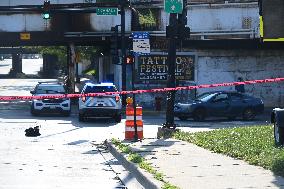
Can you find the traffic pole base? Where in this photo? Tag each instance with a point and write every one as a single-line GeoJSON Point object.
{"type": "Point", "coordinates": [165, 132]}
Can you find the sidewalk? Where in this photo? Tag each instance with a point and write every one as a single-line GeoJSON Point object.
{"type": "Point", "coordinates": [190, 167]}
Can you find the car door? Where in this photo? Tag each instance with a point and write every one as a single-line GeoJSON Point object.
{"type": "Point", "coordinates": [219, 105]}
{"type": "Point", "coordinates": [237, 104]}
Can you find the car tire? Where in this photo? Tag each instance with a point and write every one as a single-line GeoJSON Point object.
{"type": "Point", "coordinates": [183, 118]}
{"type": "Point", "coordinates": [117, 118]}
{"type": "Point", "coordinates": [81, 118]}
{"type": "Point", "coordinates": [199, 115]}
{"type": "Point", "coordinates": [248, 114]}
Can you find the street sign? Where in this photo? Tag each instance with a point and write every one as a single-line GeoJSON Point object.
{"type": "Point", "coordinates": [25, 36]}
{"type": "Point", "coordinates": [141, 43]}
{"type": "Point", "coordinates": [154, 67]}
{"type": "Point", "coordinates": [173, 6]}
{"type": "Point", "coordinates": [107, 11]}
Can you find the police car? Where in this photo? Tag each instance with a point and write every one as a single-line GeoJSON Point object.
{"type": "Point", "coordinates": [106, 105]}
{"type": "Point", "coordinates": [50, 105]}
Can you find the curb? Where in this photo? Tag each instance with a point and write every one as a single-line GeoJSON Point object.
{"type": "Point", "coordinates": [143, 177]}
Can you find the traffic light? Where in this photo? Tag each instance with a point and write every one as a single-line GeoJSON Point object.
{"type": "Point", "coordinates": [46, 10]}
{"type": "Point", "coordinates": [129, 59]}
{"type": "Point", "coordinates": [114, 44]}
{"type": "Point", "coordinates": [171, 31]}
{"type": "Point", "coordinates": [183, 30]}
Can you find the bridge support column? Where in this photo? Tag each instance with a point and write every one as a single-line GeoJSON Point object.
{"type": "Point", "coordinates": [49, 67]}
{"type": "Point", "coordinates": [16, 64]}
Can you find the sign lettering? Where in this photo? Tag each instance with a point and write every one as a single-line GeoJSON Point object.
{"type": "Point", "coordinates": [154, 67]}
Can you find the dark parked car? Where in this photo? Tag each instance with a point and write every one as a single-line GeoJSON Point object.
{"type": "Point", "coordinates": [228, 104]}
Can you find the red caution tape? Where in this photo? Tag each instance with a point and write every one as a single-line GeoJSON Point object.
{"type": "Point", "coordinates": [11, 98]}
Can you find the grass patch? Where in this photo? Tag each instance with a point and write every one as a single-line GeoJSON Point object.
{"type": "Point", "coordinates": [90, 71]}
{"type": "Point", "coordinates": [254, 144]}
{"type": "Point", "coordinates": [136, 158]}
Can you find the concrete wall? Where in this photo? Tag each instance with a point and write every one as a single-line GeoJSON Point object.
{"type": "Point", "coordinates": [223, 17]}
{"type": "Point", "coordinates": [35, 22]}
{"type": "Point", "coordinates": [219, 66]}
{"type": "Point", "coordinates": [229, 17]}
{"type": "Point", "coordinates": [220, 17]}
{"type": "Point", "coordinates": [23, 22]}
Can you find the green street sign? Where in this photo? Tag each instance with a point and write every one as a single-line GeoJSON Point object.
{"type": "Point", "coordinates": [173, 6]}
{"type": "Point", "coordinates": [106, 11]}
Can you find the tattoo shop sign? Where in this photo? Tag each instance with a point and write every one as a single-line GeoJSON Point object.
{"type": "Point", "coordinates": [154, 67]}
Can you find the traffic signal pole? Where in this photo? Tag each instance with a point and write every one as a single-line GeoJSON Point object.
{"type": "Point", "coordinates": [123, 49]}
{"type": "Point", "coordinates": [171, 63]}
{"type": "Point", "coordinates": [177, 30]}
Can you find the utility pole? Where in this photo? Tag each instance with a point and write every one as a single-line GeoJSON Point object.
{"type": "Point", "coordinates": [71, 69]}
{"type": "Point", "coordinates": [171, 63]}
{"type": "Point", "coordinates": [175, 31]}
{"type": "Point", "coordinates": [123, 49]}
{"type": "Point", "coordinates": [135, 139]}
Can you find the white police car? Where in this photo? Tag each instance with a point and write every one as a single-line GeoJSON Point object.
{"type": "Point", "coordinates": [100, 106]}
{"type": "Point", "coordinates": [50, 105]}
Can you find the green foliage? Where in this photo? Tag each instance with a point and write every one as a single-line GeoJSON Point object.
{"type": "Point", "coordinates": [254, 144]}
{"type": "Point", "coordinates": [59, 51]}
{"type": "Point", "coordinates": [85, 52]}
{"type": "Point", "coordinates": [90, 72]}
{"type": "Point", "coordinates": [125, 149]}
{"type": "Point", "coordinates": [115, 141]}
{"type": "Point", "coordinates": [169, 186]}
{"type": "Point", "coordinates": [135, 158]}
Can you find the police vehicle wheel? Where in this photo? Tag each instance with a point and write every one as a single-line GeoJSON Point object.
{"type": "Point", "coordinates": [81, 118]}
{"type": "Point", "coordinates": [278, 134]}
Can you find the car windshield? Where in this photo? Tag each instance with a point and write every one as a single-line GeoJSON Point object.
{"type": "Point", "coordinates": [205, 97]}
{"type": "Point", "coordinates": [99, 89]}
{"type": "Point", "coordinates": [56, 89]}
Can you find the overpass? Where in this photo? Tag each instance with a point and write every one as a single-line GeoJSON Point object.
{"type": "Point", "coordinates": [225, 24]}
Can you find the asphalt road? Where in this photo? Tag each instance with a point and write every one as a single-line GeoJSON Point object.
{"type": "Point", "coordinates": [68, 153]}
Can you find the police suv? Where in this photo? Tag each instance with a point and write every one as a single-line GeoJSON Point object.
{"type": "Point", "coordinates": [106, 105]}
{"type": "Point", "coordinates": [50, 105]}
